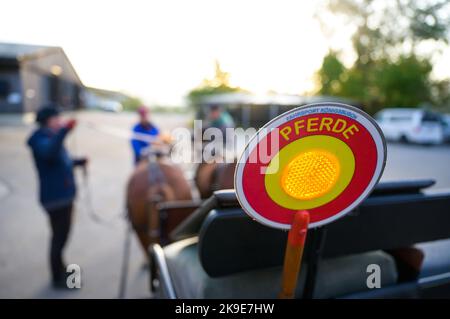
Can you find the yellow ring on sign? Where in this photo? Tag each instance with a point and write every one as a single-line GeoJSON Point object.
{"type": "Point", "coordinates": [292, 178]}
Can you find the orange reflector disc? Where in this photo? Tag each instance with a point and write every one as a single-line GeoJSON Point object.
{"type": "Point", "coordinates": [311, 174]}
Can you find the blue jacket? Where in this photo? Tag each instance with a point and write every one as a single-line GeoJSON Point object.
{"type": "Point", "coordinates": [139, 145]}
{"type": "Point", "coordinates": [55, 167]}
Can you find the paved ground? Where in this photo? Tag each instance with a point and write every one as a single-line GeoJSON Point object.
{"type": "Point", "coordinates": [416, 161]}
{"type": "Point", "coordinates": [98, 248]}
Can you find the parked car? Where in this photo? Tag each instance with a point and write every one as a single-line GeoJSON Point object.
{"type": "Point", "coordinates": [446, 123]}
{"type": "Point", "coordinates": [411, 125]}
{"type": "Point", "coordinates": [111, 106]}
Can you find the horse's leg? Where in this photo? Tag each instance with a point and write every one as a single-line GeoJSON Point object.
{"type": "Point", "coordinates": [204, 178]}
{"type": "Point", "coordinates": [159, 193]}
{"type": "Point", "coordinates": [225, 176]}
{"type": "Point", "coordinates": [139, 222]}
{"type": "Point", "coordinates": [143, 197]}
{"type": "Point", "coordinates": [153, 199]}
{"type": "Point", "coordinates": [137, 204]}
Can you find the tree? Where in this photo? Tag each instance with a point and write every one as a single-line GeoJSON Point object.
{"type": "Point", "coordinates": [218, 84]}
{"type": "Point", "coordinates": [404, 82]}
{"type": "Point", "coordinates": [441, 95]}
{"type": "Point", "coordinates": [392, 28]}
{"type": "Point", "coordinates": [389, 68]}
{"type": "Point", "coordinates": [330, 74]}
{"type": "Point", "coordinates": [131, 103]}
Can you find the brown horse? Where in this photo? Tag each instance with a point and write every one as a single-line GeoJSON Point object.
{"type": "Point", "coordinates": [153, 182]}
{"type": "Point", "coordinates": [211, 177]}
{"type": "Point", "coordinates": [159, 180]}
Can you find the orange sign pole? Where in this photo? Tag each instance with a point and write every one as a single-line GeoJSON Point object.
{"type": "Point", "coordinates": [293, 255]}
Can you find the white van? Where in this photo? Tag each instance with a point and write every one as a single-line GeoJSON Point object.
{"type": "Point", "coordinates": [411, 125]}
{"type": "Point", "coordinates": [110, 106]}
{"type": "Point", "coordinates": [446, 121]}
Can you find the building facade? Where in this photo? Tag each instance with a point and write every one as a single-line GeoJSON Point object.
{"type": "Point", "coordinates": [31, 76]}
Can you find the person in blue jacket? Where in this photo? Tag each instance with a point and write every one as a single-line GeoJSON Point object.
{"type": "Point", "coordinates": [57, 187]}
{"type": "Point", "coordinates": [144, 132]}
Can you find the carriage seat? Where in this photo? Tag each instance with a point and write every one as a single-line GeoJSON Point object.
{"type": "Point", "coordinates": [191, 281]}
{"type": "Point", "coordinates": [227, 198]}
{"type": "Point", "coordinates": [437, 258]}
{"type": "Point", "coordinates": [433, 280]}
{"type": "Point", "coordinates": [223, 253]}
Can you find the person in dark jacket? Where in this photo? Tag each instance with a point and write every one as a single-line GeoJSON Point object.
{"type": "Point", "coordinates": [57, 187]}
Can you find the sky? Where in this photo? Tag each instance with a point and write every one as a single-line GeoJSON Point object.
{"type": "Point", "coordinates": [159, 50]}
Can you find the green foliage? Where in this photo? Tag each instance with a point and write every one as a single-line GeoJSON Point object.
{"type": "Point", "coordinates": [131, 103]}
{"type": "Point", "coordinates": [426, 21]}
{"type": "Point", "coordinates": [401, 83]}
{"type": "Point", "coordinates": [197, 94]}
{"type": "Point", "coordinates": [330, 74]}
{"type": "Point", "coordinates": [441, 95]}
{"type": "Point", "coordinates": [404, 82]}
{"type": "Point", "coordinates": [388, 70]}
{"type": "Point", "coordinates": [219, 84]}
{"type": "Point", "coordinates": [169, 109]}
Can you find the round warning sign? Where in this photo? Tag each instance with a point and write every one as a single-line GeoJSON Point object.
{"type": "Point", "coordinates": [324, 158]}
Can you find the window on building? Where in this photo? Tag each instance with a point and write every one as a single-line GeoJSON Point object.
{"type": "Point", "coordinates": [5, 88]}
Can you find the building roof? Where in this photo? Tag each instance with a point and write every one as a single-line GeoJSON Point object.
{"type": "Point", "coordinates": [115, 95]}
{"type": "Point", "coordinates": [19, 50]}
{"type": "Point", "coordinates": [18, 53]}
{"type": "Point", "coordinates": [269, 99]}
{"type": "Point", "coordinates": [248, 98]}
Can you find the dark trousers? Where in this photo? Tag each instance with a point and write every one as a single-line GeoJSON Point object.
{"type": "Point", "coordinates": [60, 221]}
